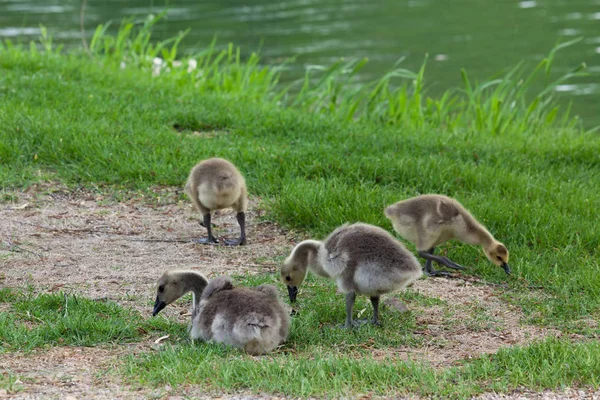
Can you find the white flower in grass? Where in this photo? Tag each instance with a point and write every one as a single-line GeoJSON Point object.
{"type": "Point", "coordinates": [192, 65]}
{"type": "Point", "coordinates": [157, 65]}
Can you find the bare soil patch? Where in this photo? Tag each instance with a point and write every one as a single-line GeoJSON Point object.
{"type": "Point", "coordinates": [567, 393]}
{"type": "Point", "coordinates": [81, 242]}
{"type": "Point", "coordinates": [67, 372]}
{"type": "Point", "coordinates": [474, 320]}
{"type": "Point", "coordinates": [84, 243]}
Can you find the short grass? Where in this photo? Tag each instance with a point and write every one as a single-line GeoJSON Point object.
{"type": "Point", "coordinates": [320, 358]}
{"type": "Point", "coordinates": [10, 383]}
{"type": "Point", "coordinates": [529, 174]}
{"type": "Point", "coordinates": [61, 319]}
{"type": "Point", "coordinates": [551, 364]}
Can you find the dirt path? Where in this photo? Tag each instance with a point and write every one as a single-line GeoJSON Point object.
{"type": "Point", "coordinates": [83, 243]}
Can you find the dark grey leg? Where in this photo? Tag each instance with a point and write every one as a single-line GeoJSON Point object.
{"type": "Point", "coordinates": [375, 302]}
{"type": "Point", "coordinates": [429, 271]}
{"type": "Point", "coordinates": [438, 259]}
{"type": "Point", "coordinates": [350, 298]}
{"type": "Point", "coordinates": [241, 218]}
{"type": "Point", "coordinates": [210, 239]}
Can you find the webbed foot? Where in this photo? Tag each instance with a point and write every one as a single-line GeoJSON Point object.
{"type": "Point", "coordinates": [207, 240]}
{"type": "Point", "coordinates": [437, 272]}
{"type": "Point", "coordinates": [235, 242]}
{"type": "Point", "coordinates": [355, 323]}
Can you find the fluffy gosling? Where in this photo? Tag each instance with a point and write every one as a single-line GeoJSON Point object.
{"type": "Point", "coordinates": [215, 184]}
{"type": "Point", "coordinates": [430, 220]}
{"type": "Point", "coordinates": [363, 259]}
{"type": "Point", "coordinates": [251, 319]}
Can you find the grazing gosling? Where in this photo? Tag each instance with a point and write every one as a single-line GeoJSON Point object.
{"type": "Point", "coordinates": [363, 259]}
{"type": "Point", "coordinates": [430, 220]}
{"type": "Point", "coordinates": [215, 184]}
{"type": "Point", "coordinates": [254, 320]}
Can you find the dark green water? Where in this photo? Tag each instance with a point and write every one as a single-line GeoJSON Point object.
{"type": "Point", "coordinates": [483, 36]}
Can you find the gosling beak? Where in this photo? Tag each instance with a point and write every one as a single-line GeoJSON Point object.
{"type": "Point", "coordinates": [506, 268]}
{"type": "Point", "coordinates": [158, 305]}
{"type": "Point", "coordinates": [292, 292]}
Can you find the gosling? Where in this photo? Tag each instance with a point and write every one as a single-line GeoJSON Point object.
{"type": "Point", "coordinates": [254, 320]}
{"type": "Point", "coordinates": [363, 259]}
{"type": "Point", "coordinates": [251, 319]}
{"type": "Point", "coordinates": [215, 184]}
{"type": "Point", "coordinates": [430, 220]}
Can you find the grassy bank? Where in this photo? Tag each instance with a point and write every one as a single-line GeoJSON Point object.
{"type": "Point", "coordinates": [330, 153]}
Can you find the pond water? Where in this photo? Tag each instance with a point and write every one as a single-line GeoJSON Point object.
{"type": "Point", "coordinates": [483, 36]}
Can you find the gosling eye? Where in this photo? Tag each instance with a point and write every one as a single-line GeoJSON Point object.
{"type": "Point", "coordinates": [287, 278]}
{"type": "Point", "coordinates": [499, 258]}
{"type": "Point", "coordinates": [161, 289]}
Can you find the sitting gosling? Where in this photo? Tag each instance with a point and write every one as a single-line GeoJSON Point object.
{"type": "Point", "coordinates": [249, 319]}
{"type": "Point", "coordinates": [214, 184]}
{"type": "Point", "coordinates": [430, 220]}
{"type": "Point", "coordinates": [362, 258]}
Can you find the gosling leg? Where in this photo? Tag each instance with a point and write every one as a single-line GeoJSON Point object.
{"type": "Point", "coordinates": [350, 298]}
{"type": "Point", "coordinates": [210, 239]}
{"type": "Point", "coordinates": [241, 218]}
{"type": "Point", "coordinates": [440, 260]}
{"type": "Point", "coordinates": [428, 255]}
{"type": "Point", "coordinates": [375, 302]}
{"type": "Point", "coordinates": [351, 323]}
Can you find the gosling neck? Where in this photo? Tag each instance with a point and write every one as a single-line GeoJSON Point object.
{"type": "Point", "coordinates": [307, 255]}
{"type": "Point", "coordinates": [194, 282]}
{"type": "Point", "coordinates": [475, 234]}
{"type": "Point", "coordinates": [486, 240]}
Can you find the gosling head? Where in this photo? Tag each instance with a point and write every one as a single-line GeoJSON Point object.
{"type": "Point", "coordinates": [169, 288]}
{"type": "Point", "coordinates": [295, 267]}
{"type": "Point", "coordinates": [293, 273]}
{"type": "Point", "coordinates": [497, 253]}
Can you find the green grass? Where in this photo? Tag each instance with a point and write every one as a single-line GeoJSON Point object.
{"type": "Point", "coordinates": [551, 364]}
{"type": "Point", "coordinates": [320, 358]}
{"type": "Point", "coordinates": [10, 382]}
{"type": "Point", "coordinates": [66, 320]}
{"type": "Point", "coordinates": [322, 152]}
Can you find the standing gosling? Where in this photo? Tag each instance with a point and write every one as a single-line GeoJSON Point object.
{"type": "Point", "coordinates": [430, 220]}
{"type": "Point", "coordinates": [254, 320]}
{"type": "Point", "coordinates": [363, 259]}
{"type": "Point", "coordinates": [215, 184]}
